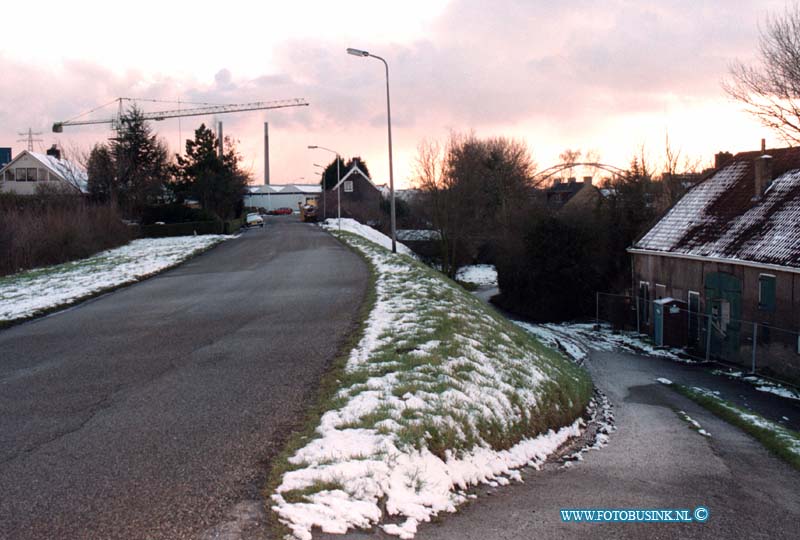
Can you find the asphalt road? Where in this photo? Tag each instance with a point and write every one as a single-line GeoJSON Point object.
{"type": "Point", "coordinates": [152, 412]}
{"type": "Point", "coordinates": [653, 460]}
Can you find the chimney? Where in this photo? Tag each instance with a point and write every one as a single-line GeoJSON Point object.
{"type": "Point", "coordinates": [763, 145]}
{"type": "Point", "coordinates": [266, 153]}
{"type": "Point", "coordinates": [54, 151]}
{"type": "Point", "coordinates": [721, 159]}
{"type": "Point", "coordinates": [572, 179]}
{"type": "Point", "coordinates": [587, 180]}
{"type": "Point", "coordinates": [763, 172]}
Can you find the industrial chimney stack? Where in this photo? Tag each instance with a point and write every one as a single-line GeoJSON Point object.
{"type": "Point", "coordinates": [266, 153]}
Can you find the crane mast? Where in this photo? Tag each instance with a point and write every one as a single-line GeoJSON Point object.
{"type": "Point", "coordinates": [118, 121]}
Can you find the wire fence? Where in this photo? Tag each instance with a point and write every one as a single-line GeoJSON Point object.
{"type": "Point", "coordinates": [706, 332]}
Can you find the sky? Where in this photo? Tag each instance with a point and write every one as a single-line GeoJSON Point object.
{"type": "Point", "coordinates": [608, 76]}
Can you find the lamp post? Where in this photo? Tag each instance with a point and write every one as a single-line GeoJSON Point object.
{"type": "Point", "coordinates": [338, 180]}
{"type": "Point", "coordinates": [358, 52]}
{"type": "Point", "coordinates": [324, 213]}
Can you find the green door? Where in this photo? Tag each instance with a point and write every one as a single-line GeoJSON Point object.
{"type": "Point", "coordinates": [724, 304]}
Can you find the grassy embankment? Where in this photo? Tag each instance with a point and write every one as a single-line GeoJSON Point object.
{"type": "Point", "coordinates": [432, 371]}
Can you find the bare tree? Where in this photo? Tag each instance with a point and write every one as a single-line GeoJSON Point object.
{"type": "Point", "coordinates": [770, 90]}
{"type": "Point", "coordinates": [472, 190]}
{"type": "Point", "coordinates": [570, 157]}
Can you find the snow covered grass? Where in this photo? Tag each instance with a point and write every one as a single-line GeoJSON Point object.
{"type": "Point", "coordinates": [440, 393]}
{"type": "Point", "coordinates": [577, 339]}
{"type": "Point", "coordinates": [782, 441]}
{"type": "Point", "coordinates": [478, 274]}
{"type": "Point", "coordinates": [28, 294]}
{"type": "Point", "coordinates": [694, 424]}
{"type": "Point", "coordinates": [365, 231]}
{"type": "Point", "coordinates": [761, 384]}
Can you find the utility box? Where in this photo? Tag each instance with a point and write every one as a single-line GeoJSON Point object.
{"type": "Point", "coordinates": [670, 323]}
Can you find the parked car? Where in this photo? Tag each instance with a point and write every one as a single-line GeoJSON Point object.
{"type": "Point", "coordinates": [254, 220]}
{"type": "Point", "coordinates": [283, 211]}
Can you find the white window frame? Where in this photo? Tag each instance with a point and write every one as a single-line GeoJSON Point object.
{"type": "Point", "coordinates": [348, 186]}
{"type": "Point", "coordinates": [773, 276]}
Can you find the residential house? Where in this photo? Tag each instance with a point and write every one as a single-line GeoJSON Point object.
{"type": "Point", "coordinates": [729, 251]}
{"type": "Point", "coordinates": [28, 170]}
{"type": "Point", "coordinates": [557, 195]}
{"type": "Point", "coordinates": [360, 197]}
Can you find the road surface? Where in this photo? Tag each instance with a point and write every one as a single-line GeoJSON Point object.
{"type": "Point", "coordinates": [152, 412]}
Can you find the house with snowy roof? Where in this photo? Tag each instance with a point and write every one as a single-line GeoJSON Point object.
{"type": "Point", "coordinates": [28, 170]}
{"type": "Point", "coordinates": [728, 253]}
{"type": "Point", "coordinates": [274, 196]}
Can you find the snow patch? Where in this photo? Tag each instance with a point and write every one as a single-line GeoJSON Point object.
{"type": "Point", "coordinates": [479, 274]}
{"type": "Point", "coordinates": [32, 292]}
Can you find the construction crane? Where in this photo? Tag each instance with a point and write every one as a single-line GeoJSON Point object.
{"type": "Point", "coordinates": [120, 118]}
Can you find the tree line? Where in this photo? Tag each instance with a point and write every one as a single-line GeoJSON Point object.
{"type": "Point", "coordinates": [134, 172]}
{"type": "Point", "coordinates": [487, 204]}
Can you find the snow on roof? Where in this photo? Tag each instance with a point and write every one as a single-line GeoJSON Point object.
{"type": "Point", "coordinates": [721, 218]}
{"type": "Point", "coordinates": [285, 189]}
{"type": "Point", "coordinates": [66, 170]}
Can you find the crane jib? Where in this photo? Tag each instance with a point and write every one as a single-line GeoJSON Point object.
{"type": "Point", "coordinates": [58, 127]}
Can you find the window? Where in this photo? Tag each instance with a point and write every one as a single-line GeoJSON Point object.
{"type": "Point", "coordinates": [766, 292]}
{"type": "Point", "coordinates": [41, 175]}
{"type": "Point", "coordinates": [31, 175]}
{"type": "Point", "coordinates": [20, 174]}
{"type": "Point", "coordinates": [348, 186]}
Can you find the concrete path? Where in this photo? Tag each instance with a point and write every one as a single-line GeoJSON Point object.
{"type": "Point", "coordinates": [153, 412]}
{"type": "Point", "coordinates": [652, 461]}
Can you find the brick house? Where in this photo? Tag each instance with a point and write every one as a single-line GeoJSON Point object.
{"type": "Point", "coordinates": [360, 197]}
{"type": "Point", "coordinates": [729, 253]}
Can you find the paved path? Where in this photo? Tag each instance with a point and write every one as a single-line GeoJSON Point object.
{"type": "Point", "coordinates": [654, 461]}
{"type": "Point", "coordinates": [152, 412]}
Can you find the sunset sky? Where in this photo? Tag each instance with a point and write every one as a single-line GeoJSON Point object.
{"type": "Point", "coordinates": [606, 76]}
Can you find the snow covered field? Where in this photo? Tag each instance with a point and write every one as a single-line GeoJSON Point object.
{"type": "Point", "coordinates": [27, 294]}
{"type": "Point", "coordinates": [479, 274]}
{"type": "Point", "coordinates": [440, 393]}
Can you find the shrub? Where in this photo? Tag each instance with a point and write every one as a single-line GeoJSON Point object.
{"type": "Point", "coordinates": [50, 229]}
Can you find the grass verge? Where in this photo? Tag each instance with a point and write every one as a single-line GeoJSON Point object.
{"type": "Point", "coordinates": [438, 393]}
{"type": "Point", "coordinates": [71, 283]}
{"type": "Point", "coordinates": [783, 442]}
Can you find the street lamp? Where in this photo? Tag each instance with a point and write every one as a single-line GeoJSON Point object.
{"type": "Point", "coordinates": [338, 181]}
{"type": "Point", "coordinates": [359, 52]}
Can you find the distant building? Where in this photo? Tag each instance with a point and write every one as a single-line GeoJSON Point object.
{"type": "Point", "coordinates": [729, 251]}
{"type": "Point", "coordinates": [273, 196]}
{"type": "Point", "coordinates": [561, 192]}
{"type": "Point", "coordinates": [28, 170]}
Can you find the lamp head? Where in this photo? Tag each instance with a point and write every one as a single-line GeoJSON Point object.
{"type": "Point", "coordinates": [312, 146]}
{"type": "Point", "coordinates": [357, 52]}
